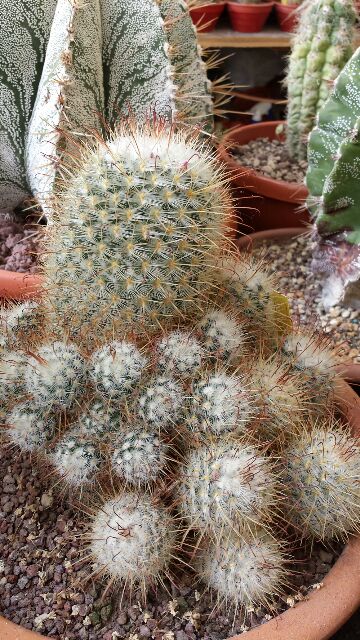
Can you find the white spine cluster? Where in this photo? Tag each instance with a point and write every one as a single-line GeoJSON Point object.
{"type": "Point", "coordinates": [138, 457]}
{"type": "Point", "coordinates": [56, 376]}
{"type": "Point", "coordinates": [116, 368]}
{"type": "Point", "coordinates": [180, 354]}
{"type": "Point", "coordinates": [219, 404]}
{"type": "Point", "coordinates": [227, 485]}
{"type": "Point", "coordinates": [323, 473]}
{"type": "Point", "coordinates": [99, 420]}
{"type": "Point", "coordinates": [131, 539]}
{"type": "Point", "coordinates": [222, 335]}
{"type": "Point", "coordinates": [244, 571]}
{"type": "Point", "coordinates": [18, 319]}
{"type": "Point", "coordinates": [250, 285]}
{"type": "Point", "coordinates": [76, 460]}
{"type": "Point", "coordinates": [160, 403]}
{"type": "Point", "coordinates": [28, 428]}
{"type": "Point", "coordinates": [308, 353]}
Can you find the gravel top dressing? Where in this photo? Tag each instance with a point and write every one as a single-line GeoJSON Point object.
{"type": "Point", "coordinates": [292, 261]}
{"type": "Point", "coordinates": [18, 243]}
{"type": "Point", "coordinates": [271, 158]}
{"type": "Point", "coordinates": [44, 586]}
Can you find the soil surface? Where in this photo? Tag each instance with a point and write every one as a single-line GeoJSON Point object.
{"type": "Point", "coordinates": [18, 242]}
{"type": "Point", "coordinates": [271, 158]}
{"type": "Point", "coordinates": [44, 583]}
{"type": "Point", "coordinates": [291, 260]}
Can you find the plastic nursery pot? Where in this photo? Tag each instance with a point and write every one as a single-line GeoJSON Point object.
{"type": "Point", "coordinates": [287, 16]}
{"type": "Point", "coordinates": [326, 610]}
{"type": "Point", "coordinates": [18, 286]}
{"type": "Point", "coordinates": [350, 372]}
{"type": "Point", "coordinates": [249, 18]}
{"type": "Point", "coordinates": [206, 17]}
{"type": "Point", "coordinates": [265, 203]}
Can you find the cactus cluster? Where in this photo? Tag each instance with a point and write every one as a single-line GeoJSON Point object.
{"type": "Point", "coordinates": [322, 46]}
{"type": "Point", "coordinates": [162, 387]}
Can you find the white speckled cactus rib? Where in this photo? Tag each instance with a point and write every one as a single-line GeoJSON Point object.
{"type": "Point", "coordinates": [193, 95]}
{"type": "Point", "coordinates": [25, 29]}
{"type": "Point", "coordinates": [70, 93]}
{"type": "Point", "coordinates": [137, 69]}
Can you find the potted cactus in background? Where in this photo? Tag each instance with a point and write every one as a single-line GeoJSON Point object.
{"type": "Point", "coordinates": [333, 181]}
{"type": "Point", "coordinates": [287, 14]}
{"type": "Point", "coordinates": [249, 17]}
{"type": "Point", "coordinates": [205, 15]}
{"type": "Point", "coordinates": [322, 45]}
{"type": "Point", "coordinates": [160, 379]}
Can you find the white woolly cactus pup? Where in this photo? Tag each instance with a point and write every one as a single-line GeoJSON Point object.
{"type": "Point", "coordinates": [116, 367]}
{"type": "Point", "coordinates": [20, 321]}
{"type": "Point", "coordinates": [227, 486]}
{"type": "Point", "coordinates": [222, 335]}
{"type": "Point", "coordinates": [323, 474]}
{"type": "Point", "coordinates": [76, 460]}
{"type": "Point", "coordinates": [244, 572]}
{"type": "Point", "coordinates": [12, 370]}
{"type": "Point", "coordinates": [99, 420]}
{"type": "Point", "coordinates": [180, 353]}
{"type": "Point", "coordinates": [56, 374]}
{"type": "Point", "coordinates": [250, 284]}
{"type": "Point", "coordinates": [28, 428]}
{"type": "Point", "coordinates": [219, 404]}
{"type": "Point", "coordinates": [160, 403]}
{"type": "Point", "coordinates": [132, 540]}
{"type": "Point", "coordinates": [315, 361]}
{"type": "Point", "coordinates": [139, 456]}
{"type": "Point", "coordinates": [280, 398]}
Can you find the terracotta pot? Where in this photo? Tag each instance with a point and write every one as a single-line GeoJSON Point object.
{"type": "Point", "coordinates": [18, 286]}
{"type": "Point", "coordinates": [351, 372]}
{"type": "Point", "coordinates": [206, 17]}
{"type": "Point", "coordinates": [249, 18]}
{"type": "Point", "coordinates": [274, 203]}
{"type": "Point", "coordinates": [287, 16]}
{"type": "Point", "coordinates": [326, 610]}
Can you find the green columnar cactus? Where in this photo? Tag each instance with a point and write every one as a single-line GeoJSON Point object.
{"type": "Point", "coordinates": [81, 62]}
{"type": "Point", "coordinates": [333, 179]}
{"type": "Point", "coordinates": [322, 46]}
{"type": "Point", "coordinates": [137, 235]}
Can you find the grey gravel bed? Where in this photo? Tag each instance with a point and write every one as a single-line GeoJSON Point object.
{"type": "Point", "coordinates": [43, 582]}
{"type": "Point", "coordinates": [291, 260]}
{"type": "Point", "coordinates": [271, 158]}
{"type": "Point", "coordinates": [18, 243]}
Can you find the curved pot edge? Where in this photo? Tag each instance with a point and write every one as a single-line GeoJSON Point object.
{"type": "Point", "coordinates": [295, 192]}
{"type": "Point", "coordinates": [18, 286]}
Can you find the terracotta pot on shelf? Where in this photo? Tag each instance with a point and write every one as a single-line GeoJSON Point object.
{"type": "Point", "coordinates": [326, 610]}
{"type": "Point", "coordinates": [206, 17]}
{"type": "Point", "coordinates": [249, 18]}
{"type": "Point", "coordinates": [287, 16]}
{"type": "Point", "coordinates": [268, 203]}
{"type": "Point", "coordinates": [350, 372]}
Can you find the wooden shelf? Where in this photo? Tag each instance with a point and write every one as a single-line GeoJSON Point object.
{"type": "Point", "coordinates": [270, 37]}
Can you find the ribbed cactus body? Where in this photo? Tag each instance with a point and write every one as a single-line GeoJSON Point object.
{"type": "Point", "coordinates": [322, 46]}
{"type": "Point", "coordinates": [136, 236]}
{"type": "Point", "coordinates": [333, 182]}
{"type": "Point", "coordinates": [323, 471]}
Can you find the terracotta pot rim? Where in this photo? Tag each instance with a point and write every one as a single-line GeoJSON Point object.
{"type": "Point", "coordinates": [277, 189]}
{"type": "Point", "coordinates": [18, 286]}
{"type": "Point", "coordinates": [326, 610]}
{"type": "Point", "coordinates": [236, 5]}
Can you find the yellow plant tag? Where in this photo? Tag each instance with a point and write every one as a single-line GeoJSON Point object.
{"type": "Point", "coordinates": [283, 319]}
